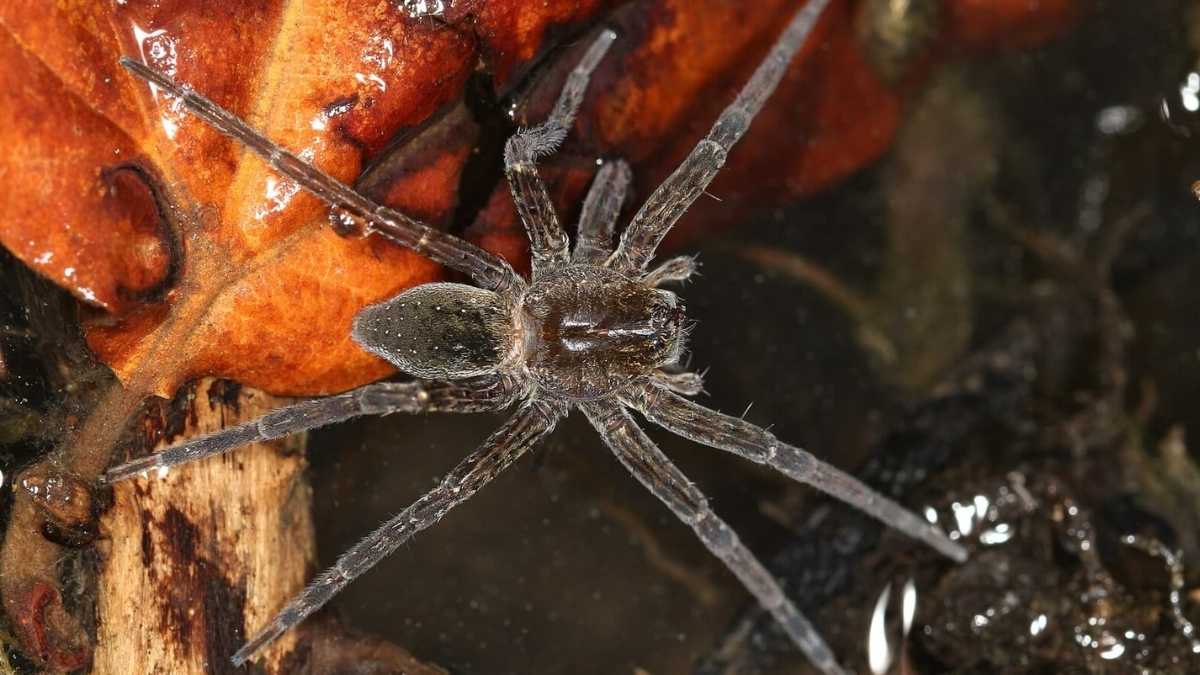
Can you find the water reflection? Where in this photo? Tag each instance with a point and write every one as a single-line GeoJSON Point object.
{"type": "Point", "coordinates": [419, 9]}
{"type": "Point", "coordinates": [1036, 584]}
{"type": "Point", "coordinates": [882, 650]}
{"type": "Point", "coordinates": [158, 50]}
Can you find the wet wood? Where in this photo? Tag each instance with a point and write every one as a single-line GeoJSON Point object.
{"type": "Point", "coordinates": [193, 561]}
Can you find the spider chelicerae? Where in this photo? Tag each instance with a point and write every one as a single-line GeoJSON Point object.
{"type": "Point", "coordinates": [593, 330]}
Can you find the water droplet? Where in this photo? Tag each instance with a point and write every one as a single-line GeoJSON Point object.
{"type": "Point", "coordinates": [158, 51]}
{"type": "Point", "coordinates": [879, 652]}
{"type": "Point", "coordinates": [419, 9]}
{"type": "Point", "coordinates": [908, 601]}
{"type": "Point", "coordinates": [931, 515]}
{"type": "Point", "coordinates": [1180, 109]}
{"type": "Point", "coordinates": [1038, 625]}
{"type": "Point", "coordinates": [346, 224]}
{"type": "Point", "coordinates": [1118, 119]}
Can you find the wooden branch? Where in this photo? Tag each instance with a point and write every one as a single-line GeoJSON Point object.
{"type": "Point", "coordinates": [193, 561]}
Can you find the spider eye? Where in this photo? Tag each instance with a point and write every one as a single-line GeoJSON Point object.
{"type": "Point", "coordinates": [666, 298]}
{"type": "Point", "coordinates": [666, 308]}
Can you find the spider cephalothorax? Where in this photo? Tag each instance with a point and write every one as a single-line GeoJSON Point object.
{"type": "Point", "coordinates": [588, 331]}
{"type": "Point", "coordinates": [592, 331]}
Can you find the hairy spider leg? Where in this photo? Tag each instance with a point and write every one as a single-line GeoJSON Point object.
{"type": "Point", "coordinates": [595, 242]}
{"type": "Point", "coordinates": [678, 269]}
{"type": "Point", "coordinates": [688, 384]}
{"type": "Point", "coordinates": [601, 208]}
{"type": "Point", "coordinates": [530, 424]}
{"type": "Point", "coordinates": [547, 240]}
{"type": "Point", "coordinates": [651, 467]}
{"type": "Point", "coordinates": [695, 422]}
{"type": "Point", "coordinates": [671, 199]}
{"type": "Point", "coordinates": [421, 396]}
{"type": "Point", "coordinates": [488, 270]}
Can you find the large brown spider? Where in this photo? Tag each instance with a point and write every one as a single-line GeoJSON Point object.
{"type": "Point", "coordinates": [592, 330]}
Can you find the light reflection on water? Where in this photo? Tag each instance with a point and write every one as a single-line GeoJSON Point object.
{"type": "Point", "coordinates": [1103, 620]}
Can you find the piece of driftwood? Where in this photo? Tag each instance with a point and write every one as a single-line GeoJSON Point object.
{"type": "Point", "coordinates": [193, 561]}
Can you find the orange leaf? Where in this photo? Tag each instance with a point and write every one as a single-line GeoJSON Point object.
{"type": "Point", "coordinates": [208, 263]}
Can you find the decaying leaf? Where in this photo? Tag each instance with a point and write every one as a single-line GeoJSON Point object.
{"type": "Point", "coordinates": [209, 264]}
{"type": "Point", "coordinates": [980, 24]}
{"type": "Point", "coordinates": [231, 266]}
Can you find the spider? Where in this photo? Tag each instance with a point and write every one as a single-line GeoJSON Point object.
{"type": "Point", "coordinates": [593, 329]}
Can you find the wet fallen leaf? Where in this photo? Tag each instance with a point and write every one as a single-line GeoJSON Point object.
{"type": "Point", "coordinates": [979, 24]}
{"type": "Point", "coordinates": [209, 264]}
{"type": "Point", "coordinates": [207, 261]}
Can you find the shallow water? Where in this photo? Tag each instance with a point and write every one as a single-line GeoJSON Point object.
{"type": "Point", "coordinates": [984, 362]}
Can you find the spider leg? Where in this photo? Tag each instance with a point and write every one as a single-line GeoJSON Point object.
{"type": "Point", "coordinates": [547, 240]}
{"type": "Point", "coordinates": [533, 421]}
{"type": "Point", "coordinates": [680, 268]}
{"type": "Point", "coordinates": [671, 199]}
{"type": "Point", "coordinates": [488, 270]}
{"type": "Point", "coordinates": [374, 399]}
{"type": "Point", "coordinates": [600, 210]}
{"type": "Point", "coordinates": [688, 384]}
{"type": "Point", "coordinates": [709, 427]}
{"type": "Point", "coordinates": [651, 467]}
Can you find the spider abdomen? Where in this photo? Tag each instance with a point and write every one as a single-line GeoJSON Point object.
{"type": "Point", "coordinates": [589, 331]}
{"type": "Point", "coordinates": [438, 331]}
